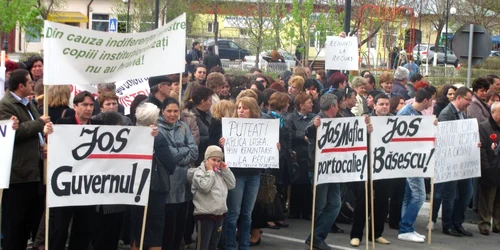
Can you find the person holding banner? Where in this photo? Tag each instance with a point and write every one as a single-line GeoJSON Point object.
{"type": "Point", "coordinates": [414, 196]}
{"type": "Point", "coordinates": [185, 152]}
{"type": "Point", "coordinates": [381, 194]}
{"type": "Point", "coordinates": [108, 101]}
{"type": "Point", "coordinates": [82, 217]}
{"type": "Point", "coordinates": [18, 200]}
{"type": "Point", "coordinates": [456, 195]}
{"type": "Point", "coordinates": [147, 114]}
{"type": "Point", "coordinates": [328, 199]}
{"type": "Point", "coordinates": [489, 183]}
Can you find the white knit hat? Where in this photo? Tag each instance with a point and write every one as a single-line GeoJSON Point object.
{"type": "Point", "coordinates": [214, 151]}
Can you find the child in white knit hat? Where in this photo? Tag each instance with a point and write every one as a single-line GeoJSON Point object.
{"type": "Point", "coordinates": [210, 184]}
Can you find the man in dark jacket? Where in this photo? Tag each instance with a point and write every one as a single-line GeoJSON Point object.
{"type": "Point", "coordinates": [489, 183]}
{"type": "Point", "coordinates": [456, 195]}
{"type": "Point", "coordinates": [159, 90]}
{"type": "Point", "coordinates": [401, 77]}
{"type": "Point", "coordinates": [328, 200]}
{"type": "Point", "coordinates": [211, 59]}
{"type": "Point", "coordinates": [83, 217]}
{"type": "Point", "coordinates": [20, 200]}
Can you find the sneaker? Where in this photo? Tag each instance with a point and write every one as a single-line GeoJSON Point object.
{"type": "Point", "coordinates": [410, 237]}
{"type": "Point", "coordinates": [355, 242]}
{"type": "Point", "coordinates": [430, 225]}
{"type": "Point", "coordinates": [419, 235]}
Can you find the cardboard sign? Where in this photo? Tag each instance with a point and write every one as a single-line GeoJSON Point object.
{"type": "Point", "coordinates": [341, 53]}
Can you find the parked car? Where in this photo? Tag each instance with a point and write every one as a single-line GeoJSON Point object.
{"type": "Point", "coordinates": [495, 53]}
{"type": "Point", "coordinates": [427, 54]}
{"type": "Point", "coordinates": [228, 49]}
{"type": "Point", "coordinates": [265, 59]}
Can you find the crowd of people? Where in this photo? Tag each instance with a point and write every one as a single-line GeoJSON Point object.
{"type": "Point", "coordinates": [227, 207]}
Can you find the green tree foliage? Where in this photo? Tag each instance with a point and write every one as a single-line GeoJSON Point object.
{"type": "Point", "coordinates": [22, 12]}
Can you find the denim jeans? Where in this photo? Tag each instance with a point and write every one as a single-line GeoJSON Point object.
{"type": "Point", "coordinates": [328, 203]}
{"type": "Point", "coordinates": [240, 203]}
{"type": "Point", "coordinates": [456, 197]}
{"type": "Point", "coordinates": [438, 197]}
{"type": "Point", "coordinates": [412, 202]}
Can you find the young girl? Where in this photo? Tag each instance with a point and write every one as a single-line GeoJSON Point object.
{"type": "Point", "coordinates": [211, 182]}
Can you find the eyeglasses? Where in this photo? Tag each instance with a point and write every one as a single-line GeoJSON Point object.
{"type": "Point", "coordinates": [469, 100]}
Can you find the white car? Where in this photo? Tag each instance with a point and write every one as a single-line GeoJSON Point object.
{"type": "Point", "coordinates": [249, 61]}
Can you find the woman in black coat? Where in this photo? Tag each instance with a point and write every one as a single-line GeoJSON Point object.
{"type": "Point", "coordinates": [301, 195]}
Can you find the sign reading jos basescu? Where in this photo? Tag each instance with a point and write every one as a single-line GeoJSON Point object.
{"type": "Point", "coordinates": [403, 146]}
{"type": "Point", "coordinates": [251, 143]}
{"type": "Point", "coordinates": [457, 153]}
{"type": "Point", "coordinates": [80, 56]}
{"type": "Point", "coordinates": [341, 53]}
{"type": "Point", "coordinates": [7, 135]}
{"type": "Point", "coordinates": [99, 165]}
{"type": "Point", "coordinates": [341, 151]}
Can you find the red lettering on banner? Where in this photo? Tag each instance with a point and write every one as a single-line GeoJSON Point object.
{"type": "Point", "coordinates": [127, 100]}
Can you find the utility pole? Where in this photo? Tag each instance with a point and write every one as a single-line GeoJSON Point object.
{"type": "Point", "coordinates": [157, 13]}
{"type": "Point", "coordinates": [347, 17]}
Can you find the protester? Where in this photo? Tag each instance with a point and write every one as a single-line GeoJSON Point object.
{"type": "Point", "coordinates": [489, 183]}
{"type": "Point", "coordinates": [396, 103]}
{"type": "Point", "coordinates": [216, 82]}
{"type": "Point", "coordinates": [108, 101]}
{"type": "Point", "coordinates": [220, 110]}
{"type": "Point", "coordinates": [494, 81]}
{"type": "Point", "coordinates": [386, 80]}
{"type": "Point", "coordinates": [58, 101]}
{"type": "Point", "coordinates": [456, 195]}
{"type": "Point", "coordinates": [423, 84]}
{"type": "Point", "coordinates": [160, 89]}
{"type": "Point", "coordinates": [284, 77]}
{"type": "Point", "coordinates": [414, 196]}
{"type": "Point", "coordinates": [369, 100]}
{"type": "Point", "coordinates": [210, 184]}
{"type": "Point", "coordinates": [35, 67]}
{"type": "Point", "coordinates": [200, 74]}
{"type": "Point", "coordinates": [295, 85]}
{"type": "Point", "coordinates": [492, 97]}
{"type": "Point", "coordinates": [445, 96]}
{"type": "Point", "coordinates": [321, 77]}
{"type": "Point", "coordinates": [337, 81]}
{"type": "Point", "coordinates": [328, 200]}
{"type": "Point", "coordinates": [196, 54]}
{"type": "Point", "coordinates": [301, 195]}
{"type": "Point", "coordinates": [311, 87]}
{"type": "Point", "coordinates": [478, 108]}
{"type": "Point", "coordinates": [401, 77]}
{"type": "Point", "coordinates": [133, 107]}
{"type": "Point", "coordinates": [359, 85]}
{"type": "Point", "coordinates": [83, 217]}
{"type": "Point", "coordinates": [211, 59]}
{"type": "Point", "coordinates": [370, 83]}
{"type": "Point", "coordinates": [103, 88]}
{"type": "Point", "coordinates": [241, 199]}
{"type": "Point", "coordinates": [381, 193]}
{"type": "Point", "coordinates": [147, 114]}
{"type": "Point", "coordinates": [183, 148]}
{"type": "Point", "coordinates": [19, 201]}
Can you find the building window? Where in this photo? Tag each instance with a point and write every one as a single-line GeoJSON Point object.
{"type": "Point", "coordinates": [32, 34]}
{"type": "Point", "coordinates": [100, 22]}
{"type": "Point", "coordinates": [243, 32]}
{"type": "Point", "coordinates": [210, 27]}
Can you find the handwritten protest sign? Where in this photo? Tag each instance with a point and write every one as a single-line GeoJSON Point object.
{"type": "Point", "coordinates": [99, 165]}
{"type": "Point", "coordinates": [341, 53]}
{"type": "Point", "coordinates": [341, 153]}
{"type": "Point", "coordinates": [251, 143]}
{"type": "Point", "coordinates": [80, 56]}
{"type": "Point", "coordinates": [457, 154]}
{"type": "Point", "coordinates": [7, 135]}
{"type": "Point", "coordinates": [403, 146]}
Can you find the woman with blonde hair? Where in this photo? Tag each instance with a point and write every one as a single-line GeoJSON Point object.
{"type": "Point", "coordinates": [58, 102]}
{"type": "Point", "coordinates": [223, 108]}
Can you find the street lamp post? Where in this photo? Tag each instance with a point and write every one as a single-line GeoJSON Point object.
{"type": "Point", "coordinates": [128, 16]}
{"type": "Point", "coordinates": [449, 10]}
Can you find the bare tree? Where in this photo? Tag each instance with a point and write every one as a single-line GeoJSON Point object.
{"type": "Point", "coordinates": [480, 12]}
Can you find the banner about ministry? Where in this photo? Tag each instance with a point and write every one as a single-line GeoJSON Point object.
{"type": "Point", "coordinates": [251, 143]}
{"type": "Point", "coordinates": [341, 152]}
{"type": "Point", "coordinates": [99, 165]}
{"type": "Point", "coordinates": [79, 56]}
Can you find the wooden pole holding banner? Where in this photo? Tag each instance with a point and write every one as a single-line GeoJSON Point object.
{"type": "Point", "coordinates": [47, 209]}
{"type": "Point", "coordinates": [372, 213]}
{"type": "Point", "coordinates": [141, 244]}
{"type": "Point", "coordinates": [314, 189]}
{"type": "Point", "coordinates": [366, 211]}
{"type": "Point", "coordinates": [370, 177]}
{"type": "Point", "coordinates": [430, 209]}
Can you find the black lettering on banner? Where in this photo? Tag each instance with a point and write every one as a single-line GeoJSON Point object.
{"type": "Point", "coordinates": [352, 165]}
{"type": "Point", "coordinates": [401, 128]}
{"type": "Point", "coordinates": [341, 134]}
{"type": "Point", "coordinates": [396, 161]}
{"type": "Point", "coordinates": [96, 184]}
{"type": "Point", "coordinates": [3, 130]}
{"type": "Point", "coordinates": [104, 142]}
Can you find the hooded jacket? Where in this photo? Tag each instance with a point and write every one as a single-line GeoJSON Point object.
{"type": "Point", "coordinates": [210, 189]}
{"type": "Point", "coordinates": [185, 152]}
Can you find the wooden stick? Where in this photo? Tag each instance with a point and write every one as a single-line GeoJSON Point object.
{"type": "Point", "coordinates": [46, 113]}
{"type": "Point", "coordinates": [45, 166]}
{"type": "Point", "coordinates": [430, 209]}
{"type": "Point", "coordinates": [143, 226]}
{"type": "Point", "coordinates": [314, 192]}
{"type": "Point", "coordinates": [2, 58]}
{"type": "Point", "coordinates": [366, 211]}
{"type": "Point", "coordinates": [370, 177]}
{"type": "Point", "coordinates": [372, 214]}
{"type": "Point", "coordinates": [1, 197]}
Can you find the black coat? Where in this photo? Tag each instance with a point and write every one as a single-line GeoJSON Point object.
{"type": "Point", "coordinates": [211, 60]}
{"type": "Point", "coordinates": [298, 124]}
{"type": "Point", "coordinates": [285, 155]}
{"type": "Point", "coordinates": [203, 119]}
{"type": "Point", "coordinates": [490, 162]}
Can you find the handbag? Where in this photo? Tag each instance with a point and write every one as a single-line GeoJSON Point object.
{"type": "Point", "coordinates": [160, 179]}
{"type": "Point", "coordinates": [267, 189]}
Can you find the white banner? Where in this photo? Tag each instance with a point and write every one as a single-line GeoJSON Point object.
{"type": "Point", "coordinates": [79, 56]}
{"type": "Point", "coordinates": [341, 152]}
{"type": "Point", "coordinates": [99, 165]}
{"type": "Point", "coordinates": [251, 143]}
{"type": "Point", "coordinates": [457, 153]}
{"type": "Point", "coordinates": [341, 53]}
{"type": "Point", "coordinates": [7, 135]}
{"type": "Point", "coordinates": [403, 146]}
{"type": "Point", "coordinates": [2, 80]}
